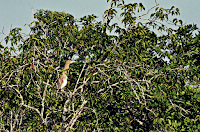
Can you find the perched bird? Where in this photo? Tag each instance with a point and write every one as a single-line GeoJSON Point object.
{"type": "Point", "coordinates": [62, 82]}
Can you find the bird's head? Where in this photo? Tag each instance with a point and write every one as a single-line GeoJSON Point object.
{"type": "Point", "coordinates": [68, 62]}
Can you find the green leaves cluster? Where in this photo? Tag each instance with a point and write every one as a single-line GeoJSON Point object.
{"type": "Point", "coordinates": [121, 82]}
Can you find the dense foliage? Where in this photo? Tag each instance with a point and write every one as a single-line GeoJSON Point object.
{"type": "Point", "coordinates": [133, 80]}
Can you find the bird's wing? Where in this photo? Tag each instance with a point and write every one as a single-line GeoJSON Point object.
{"type": "Point", "coordinates": [60, 82]}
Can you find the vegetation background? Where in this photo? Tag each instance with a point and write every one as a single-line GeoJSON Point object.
{"type": "Point", "coordinates": [127, 77]}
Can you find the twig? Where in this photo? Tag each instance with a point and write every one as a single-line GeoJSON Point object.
{"type": "Point", "coordinates": [75, 117]}
{"type": "Point", "coordinates": [33, 10]}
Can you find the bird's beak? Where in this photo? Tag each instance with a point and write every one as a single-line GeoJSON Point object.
{"type": "Point", "coordinates": [72, 62]}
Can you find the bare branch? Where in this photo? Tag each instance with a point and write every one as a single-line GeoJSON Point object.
{"type": "Point", "coordinates": [75, 117]}
{"type": "Point", "coordinates": [33, 10]}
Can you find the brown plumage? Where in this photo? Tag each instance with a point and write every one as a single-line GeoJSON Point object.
{"type": "Point", "coordinates": [62, 82]}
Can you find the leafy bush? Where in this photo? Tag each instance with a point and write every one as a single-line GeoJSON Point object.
{"type": "Point", "coordinates": [120, 82]}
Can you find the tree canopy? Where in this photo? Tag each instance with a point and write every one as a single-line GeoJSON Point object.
{"type": "Point", "coordinates": [126, 77]}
